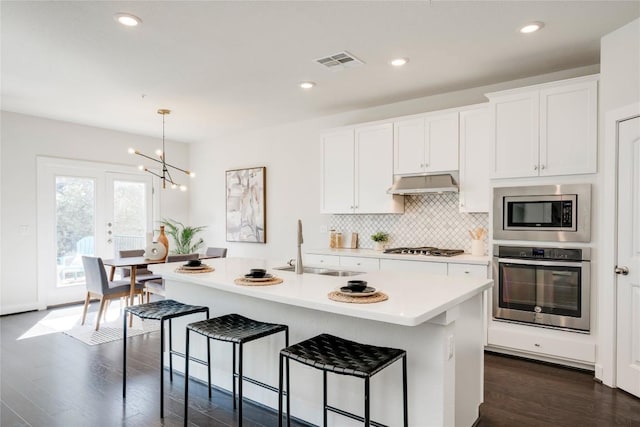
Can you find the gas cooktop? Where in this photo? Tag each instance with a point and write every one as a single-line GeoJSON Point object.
{"type": "Point", "coordinates": [425, 250]}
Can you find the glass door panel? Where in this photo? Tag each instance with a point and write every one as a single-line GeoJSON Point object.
{"type": "Point", "coordinates": [130, 211]}
{"type": "Point", "coordinates": [75, 223]}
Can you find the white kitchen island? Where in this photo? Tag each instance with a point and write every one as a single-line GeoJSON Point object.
{"type": "Point", "coordinates": [436, 319]}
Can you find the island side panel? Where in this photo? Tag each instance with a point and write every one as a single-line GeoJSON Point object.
{"type": "Point", "coordinates": [431, 374]}
{"type": "Point", "coordinates": [469, 361]}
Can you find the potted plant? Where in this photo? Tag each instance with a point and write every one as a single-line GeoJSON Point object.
{"type": "Point", "coordinates": [379, 238]}
{"type": "Point", "coordinates": [183, 236]}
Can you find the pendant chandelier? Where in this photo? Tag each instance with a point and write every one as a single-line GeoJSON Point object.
{"type": "Point", "coordinates": [165, 175]}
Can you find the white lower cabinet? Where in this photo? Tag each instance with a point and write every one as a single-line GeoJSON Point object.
{"type": "Point", "coordinates": [543, 342]}
{"type": "Point", "coordinates": [471, 270]}
{"type": "Point", "coordinates": [318, 259]}
{"type": "Point", "coordinates": [360, 263]}
{"type": "Point", "coordinates": [421, 266]}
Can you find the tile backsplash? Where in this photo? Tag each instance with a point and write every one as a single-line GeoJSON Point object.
{"type": "Point", "coordinates": [428, 220]}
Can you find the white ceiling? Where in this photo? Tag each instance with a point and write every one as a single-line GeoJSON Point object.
{"type": "Point", "coordinates": [226, 66]}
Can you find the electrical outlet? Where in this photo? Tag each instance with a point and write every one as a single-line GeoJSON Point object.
{"type": "Point", "coordinates": [323, 228]}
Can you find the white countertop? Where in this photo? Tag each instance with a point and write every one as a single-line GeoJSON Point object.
{"type": "Point", "coordinates": [370, 253]}
{"type": "Point", "coordinates": [414, 298]}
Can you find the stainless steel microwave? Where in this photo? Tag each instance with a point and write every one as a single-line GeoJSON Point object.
{"type": "Point", "coordinates": [555, 213]}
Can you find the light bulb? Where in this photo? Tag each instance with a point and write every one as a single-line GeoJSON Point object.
{"type": "Point", "coordinates": [127, 19]}
{"type": "Point", "coordinates": [531, 27]}
{"type": "Point", "coordinates": [132, 151]}
{"type": "Point", "coordinates": [174, 186]}
{"type": "Point", "coordinates": [141, 167]}
{"type": "Point", "coordinates": [307, 85]}
{"type": "Point", "coordinates": [159, 153]}
{"type": "Point", "coordinates": [399, 62]}
{"type": "Point", "coordinates": [183, 188]}
{"type": "Point", "coordinates": [192, 174]}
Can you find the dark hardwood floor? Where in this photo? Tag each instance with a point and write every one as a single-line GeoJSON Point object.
{"type": "Point", "coordinates": [55, 380]}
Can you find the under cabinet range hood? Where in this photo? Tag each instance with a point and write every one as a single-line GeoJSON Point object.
{"type": "Point", "coordinates": [418, 184]}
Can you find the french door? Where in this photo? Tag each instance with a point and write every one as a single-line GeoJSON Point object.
{"type": "Point", "coordinates": [86, 208]}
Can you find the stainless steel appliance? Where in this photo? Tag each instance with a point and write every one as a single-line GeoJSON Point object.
{"type": "Point", "coordinates": [556, 213]}
{"type": "Point", "coordinates": [542, 286]}
{"type": "Point", "coordinates": [425, 250]}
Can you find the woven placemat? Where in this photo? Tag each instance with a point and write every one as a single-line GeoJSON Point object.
{"type": "Point", "coordinates": [244, 282]}
{"type": "Point", "coordinates": [206, 269]}
{"type": "Point", "coordinates": [377, 297]}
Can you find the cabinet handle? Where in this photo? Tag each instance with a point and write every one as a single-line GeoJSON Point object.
{"type": "Point", "coordinates": [541, 166]}
{"type": "Point", "coordinates": [426, 165]}
{"type": "Point", "coordinates": [535, 167]}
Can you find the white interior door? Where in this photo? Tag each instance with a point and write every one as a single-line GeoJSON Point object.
{"type": "Point", "coordinates": [85, 209]}
{"type": "Point", "coordinates": [628, 257]}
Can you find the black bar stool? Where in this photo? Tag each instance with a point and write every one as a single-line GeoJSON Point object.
{"type": "Point", "coordinates": [332, 354]}
{"type": "Point", "coordinates": [237, 330]}
{"type": "Point", "coordinates": [162, 310]}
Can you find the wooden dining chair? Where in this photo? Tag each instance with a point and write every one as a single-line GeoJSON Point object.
{"type": "Point", "coordinates": [99, 286]}
{"type": "Point", "coordinates": [157, 286]}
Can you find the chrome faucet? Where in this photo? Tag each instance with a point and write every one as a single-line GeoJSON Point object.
{"type": "Point", "coordinates": [299, 267]}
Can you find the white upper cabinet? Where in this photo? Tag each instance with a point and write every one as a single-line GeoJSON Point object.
{"type": "Point", "coordinates": [568, 129]}
{"type": "Point", "coordinates": [545, 130]}
{"type": "Point", "coordinates": [337, 171]}
{"type": "Point", "coordinates": [357, 170]}
{"type": "Point", "coordinates": [426, 144]}
{"type": "Point", "coordinates": [475, 158]}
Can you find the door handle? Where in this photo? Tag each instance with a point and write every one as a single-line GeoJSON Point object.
{"type": "Point", "coordinates": [622, 270]}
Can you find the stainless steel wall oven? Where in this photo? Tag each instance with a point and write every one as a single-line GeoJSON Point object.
{"type": "Point", "coordinates": [543, 286]}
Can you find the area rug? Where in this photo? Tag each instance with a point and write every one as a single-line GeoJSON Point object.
{"type": "Point", "coordinates": [111, 330]}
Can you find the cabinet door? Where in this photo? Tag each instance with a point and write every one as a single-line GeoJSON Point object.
{"type": "Point", "coordinates": [337, 172]}
{"type": "Point", "coordinates": [374, 170]}
{"type": "Point", "coordinates": [568, 126]}
{"type": "Point", "coordinates": [469, 270]}
{"type": "Point", "coordinates": [324, 260]}
{"type": "Point", "coordinates": [515, 131]}
{"type": "Point", "coordinates": [441, 149]}
{"type": "Point", "coordinates": [419, 266]}
{"type": "Point", "coordinates": [408, 146]}
{"type": "Point", "coordinates": [360, 263]}
{"type": "Point", "coordinates": [475, 158]}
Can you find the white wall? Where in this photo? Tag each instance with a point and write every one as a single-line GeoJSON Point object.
{"type": "Point", "coordinates": [619, 88]}
{"type": "Point", "coordinates": [291, 153]}
{"type": "Point", "coordinates": [24, 138]}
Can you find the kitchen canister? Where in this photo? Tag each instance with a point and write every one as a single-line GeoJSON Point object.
{"type": "Point", "coordinates": [477, 247]}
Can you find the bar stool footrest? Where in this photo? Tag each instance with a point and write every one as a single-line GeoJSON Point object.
{"type": "Point", "coordinates": [352, 415]}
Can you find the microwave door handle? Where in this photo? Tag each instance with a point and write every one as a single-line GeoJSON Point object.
{"type": "Point", "coordinates": [542, 263]}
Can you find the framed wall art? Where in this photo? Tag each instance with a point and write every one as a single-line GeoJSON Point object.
{"type": "Point", "coordinates": [246, 205]}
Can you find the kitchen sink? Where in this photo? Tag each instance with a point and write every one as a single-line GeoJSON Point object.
{"type": "Point", "coordinates": [322, 271]}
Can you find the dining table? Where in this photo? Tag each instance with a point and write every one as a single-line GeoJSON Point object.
{"type": "Point", "coordinates": [133, 263]}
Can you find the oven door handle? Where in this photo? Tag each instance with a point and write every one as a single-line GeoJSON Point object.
{"type": "Point", "coordinates": [542, 263]}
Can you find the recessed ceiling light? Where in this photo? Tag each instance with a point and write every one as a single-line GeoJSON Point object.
{"type": "Point", "coordinates": [532, 27]}
{"type": "Point", "coordinates": [307, 85]}
{"type": "Point", "coordinates": [399, 62]}
{"type": "Point", "coordinates": [127, 19]}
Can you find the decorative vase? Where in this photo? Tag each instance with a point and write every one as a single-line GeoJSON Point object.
{"type": "Point", "coordinates": [378, 246]}
{"type": "Point", "coordinates": [162, 238]}
{"type": "Point", "coordinates": [155, 251]}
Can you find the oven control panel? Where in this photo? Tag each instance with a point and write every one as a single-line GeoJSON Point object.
{"type": "Point", "coordinates": [529, 252]}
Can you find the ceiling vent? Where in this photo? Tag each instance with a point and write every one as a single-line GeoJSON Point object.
{"type": "Point", "coordinates": [339, 61]}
